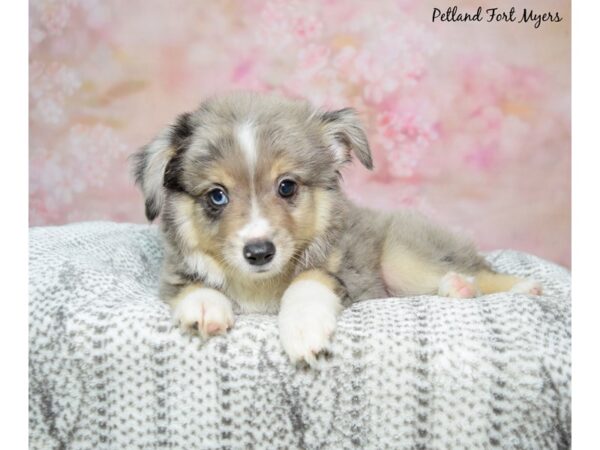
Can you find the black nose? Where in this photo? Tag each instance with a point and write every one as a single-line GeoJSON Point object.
{"type": "Point", "coordinates": [259, 253]}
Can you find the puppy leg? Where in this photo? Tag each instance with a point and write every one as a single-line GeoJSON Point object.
{"type": "Point", "coordinates": [307, 316]}
{"type": "Point", "coordinates": [419, 258]}
{"type": "Point", "coordinates": [202, 309]}
{"type": "Point", "coordinates": [418, 255]}
{"type": "Point", "coordinates": [406, 273]}
{"type": "Point", "coordinates": [485, 282]}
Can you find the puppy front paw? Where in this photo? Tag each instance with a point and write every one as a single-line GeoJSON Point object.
{"type": "Point", "coordinates": [307, 321]}
{"type": "Point", "coordinates": [204, 310]}
{"type": "Point", "coordinates": [306, 340]}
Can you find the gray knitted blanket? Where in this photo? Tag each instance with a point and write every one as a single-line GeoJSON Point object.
{"type": "Point", "coordinates": [108, 371]}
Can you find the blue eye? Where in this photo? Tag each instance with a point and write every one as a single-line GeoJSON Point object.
{"type": "Point", "coordinates": [287, 188]}
{"type": "Point", "coordinates": [218, 197]}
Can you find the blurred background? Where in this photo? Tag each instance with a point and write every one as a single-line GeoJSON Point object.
{"type": "Point", "coordinates": [468, 122]}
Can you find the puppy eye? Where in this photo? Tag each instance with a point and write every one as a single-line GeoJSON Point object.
{"type": "Point", "coordinates": [218, 197]}
{"type": "Point", "coordinates": [287, 188]}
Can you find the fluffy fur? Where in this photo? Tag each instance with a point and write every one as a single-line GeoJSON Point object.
{"type": "Point", "coordinates": [327, 251]}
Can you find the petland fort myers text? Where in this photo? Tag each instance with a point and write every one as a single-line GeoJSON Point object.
{"type": "Point", "coordinates": [453, 14]}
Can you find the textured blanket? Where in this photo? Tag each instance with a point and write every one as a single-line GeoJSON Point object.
{"type": "Point", "coordinates": [109, 371]}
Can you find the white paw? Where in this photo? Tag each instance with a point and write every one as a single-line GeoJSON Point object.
{"type": "Point", "coordinates": [307, 321]}
{"type": "Point", "coordinates": [529, 287]}
{"type": "Point", "coordinates": [205, 310]}
{"type": "Point", "coordinates": [458, 286]}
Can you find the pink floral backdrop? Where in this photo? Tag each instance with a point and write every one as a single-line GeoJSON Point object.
{"type": "Point", "coordinates": [468, 122]}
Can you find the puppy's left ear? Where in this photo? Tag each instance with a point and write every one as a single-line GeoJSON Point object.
{"type": "Point", "coordinates": [344, 134]}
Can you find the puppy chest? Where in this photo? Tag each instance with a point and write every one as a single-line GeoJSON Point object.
{"type": "Point", "coordinates": [254, 299]}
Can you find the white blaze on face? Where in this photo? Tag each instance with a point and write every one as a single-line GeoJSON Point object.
{"type": "Point", "coordinates": [246, 139]}
{"type": "Point", "coordinates": [257, 228]}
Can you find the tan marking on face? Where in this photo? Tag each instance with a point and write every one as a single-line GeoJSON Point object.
{"type": "Point", "coordinates": [311, 215]}
{"type": "Point", "coordinates": [279, 167]}
{"type": "Point", "coordinates": [200, 239]}
{"type": "Point", "coordinates": [187, 229]}
{"type": "Point", "coordinates": [322, 201]}
{"type": "Point", "coordinates": [220, 175]}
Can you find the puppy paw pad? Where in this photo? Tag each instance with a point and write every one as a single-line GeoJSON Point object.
{"type": "Point", "coordinates": [213, 328]}
{"type": "Point", "coordinates": [457, 286]}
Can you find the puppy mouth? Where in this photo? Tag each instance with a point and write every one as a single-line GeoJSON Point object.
{"type": "Point", "coordinates": [268, 270]}
{"type": "Point", "coordinates": [261, 269]}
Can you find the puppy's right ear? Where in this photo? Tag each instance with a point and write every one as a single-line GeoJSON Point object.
{"type": "Point", "coordinates": [155, 165]}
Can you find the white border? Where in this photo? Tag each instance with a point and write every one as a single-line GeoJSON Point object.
{"type": "Point", "coordinates": [586, 223]}
{"type": "Point", "coordinates": [14, 120]}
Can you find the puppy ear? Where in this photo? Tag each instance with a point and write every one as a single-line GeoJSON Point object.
{"type": "Point", "coordinates": [344, 134]}
{"type": "Point", "coordinates": [157, 165]}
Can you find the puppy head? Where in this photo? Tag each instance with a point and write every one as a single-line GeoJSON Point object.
{"type": "Point", "coordinates": [249, 180]}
